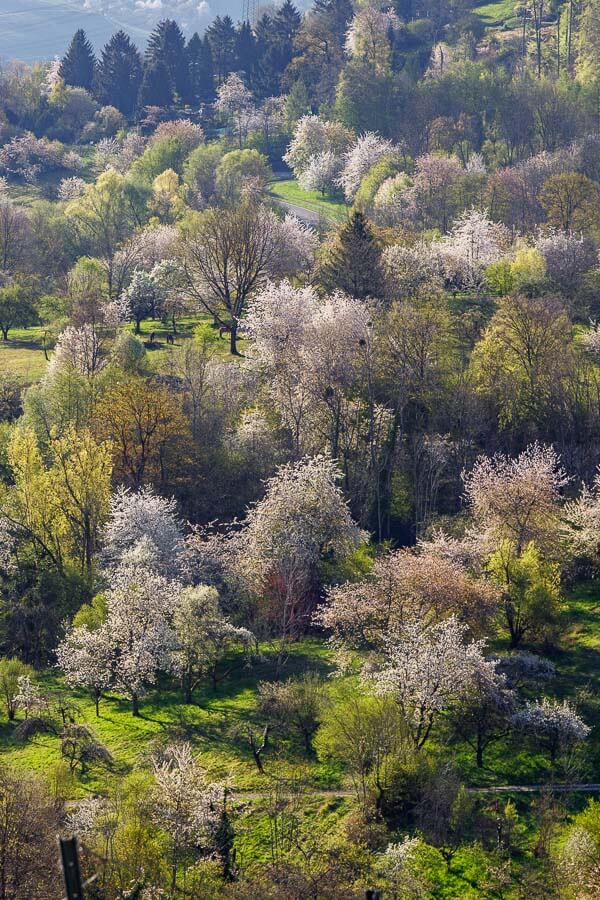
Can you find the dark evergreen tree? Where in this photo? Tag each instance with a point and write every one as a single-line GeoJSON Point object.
{"type": "Point", "coordinates": [119, 74]}
{"type": "Point", "coordinates": [79, 63]}
{"type": "Point", "coordinates": [221, 36]}
{"type": "Point", "coordinates": [156, 89]}
{"type": "Point", "coordinates": [267, 72]}
{"type": "Point", "coordinates": [245, 51]}
{"type": "Point", "coordinates": [286, 24]}
{"type": "Point", "coordinates": [200, 67]}
{"type": "Point", "coordinates": [352, 260]}
{"type": "Point", "coordinates": [166, 45]}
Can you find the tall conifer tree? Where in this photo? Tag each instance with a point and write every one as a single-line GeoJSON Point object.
{"type": "Point", "coordinates": [167, 46]}
{"type": "Point", "coordinates": [156, 87]}
{"type": "Point", "coordinates": [79, 63]}
{"type": "Point", "coordinates": [200, 66]}
{"type": "Point", "coordinates": [119, 74]}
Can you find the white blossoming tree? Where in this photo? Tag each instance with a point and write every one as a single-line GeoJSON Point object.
{"type": "Point", "coordinates": [85, 658]}
{"type": "Point", "coordinates": [321, 173]}
{"type": "Point", "coordinates": [403, 587]}
{"type": "Point", "coordinates": [554, 725]}
{"type": "Point", "coordinates": [427, 671]}
{"type": "Point", "coordinates": [141, 639]}
{"type": "Point", "coordinates": [302, 518]}
{"type": "Point", "coordinates": [517, 498]}
{"type": "Point", "coordinates": [235, 102]}
{"type": "Point", "coordinates": [581, 521]}
{"type": "Point", "coordinates": [185, 806]}
{"type": "Point", "coordinates": [143, 514]}
{"type": "Point", "coordinates": [369, 149]}
{"type": "Point", "coordinates": [313, 137]}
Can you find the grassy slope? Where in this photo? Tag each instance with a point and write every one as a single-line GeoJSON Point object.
{"type": "Point", "coordinates": [216, 727]}
{"type": "Point", "coordinates": [211, 724]}
{"type": "Point", "coordinates": [289, 190]}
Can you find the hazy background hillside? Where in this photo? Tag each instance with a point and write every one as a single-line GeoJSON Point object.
{"type": "Point", "coordinates": [41, 29]}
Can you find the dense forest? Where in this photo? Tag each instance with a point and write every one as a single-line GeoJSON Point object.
{"type": "Point", "coordinates": [300, 457]}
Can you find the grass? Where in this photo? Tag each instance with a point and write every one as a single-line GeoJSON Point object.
{"type": "Point", "coordinates": [496, 13]}
{"type": "Point", "coordinates": [215, 725]}
{"type": "Point", "coordinates": [23, 354]}
{"type": "Point", "coordinates": [289, 191]}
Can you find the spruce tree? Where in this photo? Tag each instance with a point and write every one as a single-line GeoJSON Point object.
{"type": "Point", "coordinates": [156, 87]}
{"type": "Point", "coordinates": [286, 23]}
{"type": "Point", "coordinates": [267, 70]}
{"type": "Point", "coordinates": [79, 63]}
{"type": "Point", "coordinates": [166, 45]}
{"type": "Point", "coordinates": [352, 261]}
{"type": "Point", "coordinates": [245, 51]}
{"type": "Point", "coordinates": [221, 36]}
{"type": "Point", "coordinates": [119, 74]}
{"type": "Point", "coordinates": [200, 66]}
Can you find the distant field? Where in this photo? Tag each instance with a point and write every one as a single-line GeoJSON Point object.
{"type": "Point", "coordinates": [501, 11]}
{"type": "Point", "coordinates": [23, 354]}
{"type": "Point", "coordinates": [289, 191]}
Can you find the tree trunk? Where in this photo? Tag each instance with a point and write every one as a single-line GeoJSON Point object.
{"type": "Point", "coordinates": [233, 339]}
{"type": "Point", "coordinates": [479, 752]}
{"type": "Point", "coordinates": [4, 333]}
{"type": "Point", "coordinates": [137, 329]}
{"type": "Point", "coordinates": [187, 689]}
{"type": "Point", "coordinates": [97, 703]}
{"type": "Point", "coordinates": [135, 705]}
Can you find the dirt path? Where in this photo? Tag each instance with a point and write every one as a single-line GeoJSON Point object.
{"type": "Point", "coordinates": [577, 787]}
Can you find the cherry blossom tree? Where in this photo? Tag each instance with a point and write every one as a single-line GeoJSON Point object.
{"type": "Point", "coordinates": [410, 270]}
{"type": "Point", "coordinates": [568, 257]}
{"type": "Point", "coordinates": [313, 137]}
{"type": "Point", "coordinates": [581, 521]}
{"type": "Point", "coordinates": [427, 670]}
{"type": "Point", "coordinates": [296, 245]}
{"type": "Point", "coordinates": [143, 297]}
{"type": "Point", "coordinates": [139, 606]}
{"type": "Point", "coordinates": [517, 498]}
{"type": "Point", "coordinates": [555, 725]}
{"type": "Point", "coordinates": [473, 244]}
{"type": "Point", "coordinates": [404, 865]}
{"type": "Point", "coordinates": [371, 35]}
{"type": "Point", "coordinates": [484, 715]}
{"type": "Point", "coordinates": [403, 587]}
{"type": "Point", "coordinates": [71, 188]}
{"type": "Point", "coordinates": [185, 805]}
{"type": "Point", "coordinates": [434, 184]}
{"type": "Point", "coordinates": [85, 658]}
{"type": "Point", "coordinates": [135, 515]}
{"type": "Point", "coordinates": [302, 518]}
{"type": "Point", "coordinates": [10, 672]}
{"type": "Point", "coordinates": [368, 150]}
{"type": "Point", "coordinates": [578, 859]}
{"type": "Point", "coordinates": [591, 341]}
{"type": "Point", "coordinates": [235, 102]}
{"type": "Point", "coordinates": [29, 696]}
{"type": "Point", "coordinates": [524, 669]}
{"type": "Point", "coordinates": [78, 349]}
{"type": "Point", "coordinates": [321, 173]}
